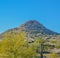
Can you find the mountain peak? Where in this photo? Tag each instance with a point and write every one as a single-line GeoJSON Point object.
{"type": "Point", "coordinates": [33, 28]}
{"type": "Point", "coordinates": [32, 22]}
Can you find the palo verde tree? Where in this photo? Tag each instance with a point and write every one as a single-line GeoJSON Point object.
{"type": "Point", "coordinates": [40, 45]}
{"type": "Point", "coordinates": [15, 46]}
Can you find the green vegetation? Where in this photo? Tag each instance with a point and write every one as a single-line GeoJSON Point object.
{"type": "Point", "coordinates": [16, 46]}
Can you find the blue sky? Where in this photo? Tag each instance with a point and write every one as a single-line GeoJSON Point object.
{"type": "Point", "coordinates": [13, 13]}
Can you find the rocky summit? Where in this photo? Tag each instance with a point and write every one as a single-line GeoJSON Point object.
{"type": "Point", "coordinates": [36, 27]}
{"type": "Point", "coordinates": [32, 28]}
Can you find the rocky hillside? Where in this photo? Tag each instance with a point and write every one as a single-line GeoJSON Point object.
{"type": "Point", "coordinates": [36, 27]}
{"type": "Point", "coordinates": [32, 28]}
